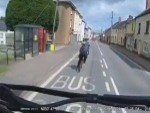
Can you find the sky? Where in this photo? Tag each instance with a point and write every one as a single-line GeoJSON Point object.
{"type": "Point", "coordinates": [97, 13]}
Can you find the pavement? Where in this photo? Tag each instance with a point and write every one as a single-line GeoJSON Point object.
{"type": "Point", "coordinates": [34, 70]}
{"type": "Point", "coordinates": [143, 62]}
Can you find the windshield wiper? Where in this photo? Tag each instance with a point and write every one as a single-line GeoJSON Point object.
{"type": "Point", "coordinates": [15, 103]}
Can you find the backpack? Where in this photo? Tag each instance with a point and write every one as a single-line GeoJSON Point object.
{"type": "Point", "coordinates": [84, 49]}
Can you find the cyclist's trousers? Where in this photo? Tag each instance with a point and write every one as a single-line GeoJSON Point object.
{"type": "Point", "coordinates": [84, 57]}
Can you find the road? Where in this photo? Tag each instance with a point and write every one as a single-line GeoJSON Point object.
{"type": "Point", "coordinates": [105, 72]}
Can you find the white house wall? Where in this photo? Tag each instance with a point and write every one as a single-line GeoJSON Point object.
{"type": "Point", "coordinates": [2, 38]}
{"type": "Point", "coordinates": [143, 40]}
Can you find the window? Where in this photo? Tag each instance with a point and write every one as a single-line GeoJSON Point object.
{"type": "Point", "coordinates": [2, 42]}
{"type": "Point", "coordinates": [145, 48]}
{"type": "Point", "coordinates": [147, 27]}
{"type": "Point", "coordinates": [1, 35]}
{"type": "Point", "coordinates": [139, 30]}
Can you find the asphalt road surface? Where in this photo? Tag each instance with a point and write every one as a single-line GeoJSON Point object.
{"type": "Point", "coordinates": [105, 72]}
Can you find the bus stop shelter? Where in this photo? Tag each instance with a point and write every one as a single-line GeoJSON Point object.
{"type": "Point", "coordinates": [26, 40]}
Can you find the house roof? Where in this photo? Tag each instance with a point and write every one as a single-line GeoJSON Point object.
{"type": "Point", "coordinates": [79, 13]}
{"type": "Point", "coordinates": [115, 25]}
{"type": "Point", "coordinates": [3, 26]}
{"type": "Point", "coordinates": [121, 24]}
{"type": "Point", "coordinates": [68, 2]}
{"type": "Point", "coordinates": [143, 13]}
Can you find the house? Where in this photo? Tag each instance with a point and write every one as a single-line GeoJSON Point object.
{"type": "Point", "coordinates": [3, 30]}
{"type": "Point", "coordinates": [82, 30]}
{"type": "Point", "coordinates": [130, 28]}
{"type": "Point", "coordinates": [114, 32]}
{"type": "Point", "coordinates": [89, 32]}
{"type": "Point", "coordinates": [86, 32]}
{"type": "Point", "coordinates": [78, 25]}
{"type": "Point", "coordinates": [66, 10]}
{"type": "Point", "coordinates": [142, 33]}
{"type": "Point", "coordinates": [121, 32]}
{"type": "Point", "coordinates": [107, 35]}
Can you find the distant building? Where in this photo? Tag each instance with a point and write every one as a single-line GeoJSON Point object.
{"type": "Point", "coordinates": [66, 10]}
{"type": "Point", "coordinates": [78, 26]}
{"type": "Point", "coordinates": [82, 31]}
{"type": "Point", "coordinates": [86, 32]}
{"type": "Point", "coordinates": [147, 4]}
{"type": "Point", "coordinates": [89, 33]}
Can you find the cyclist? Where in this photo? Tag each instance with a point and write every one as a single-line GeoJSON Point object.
{"type": "Point", "coordinates": [84, 52]}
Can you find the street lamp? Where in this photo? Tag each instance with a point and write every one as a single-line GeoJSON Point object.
{"type": "Point", "coordinates": [54, 22]}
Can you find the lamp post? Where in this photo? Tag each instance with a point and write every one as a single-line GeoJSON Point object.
{"type": "Point", "coordinates": [54, 22]}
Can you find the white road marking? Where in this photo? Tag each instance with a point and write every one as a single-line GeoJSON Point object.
{"type": "Point", "coordinates": [101, 61]}
{"type": "Point", "coordinates": [117, 92]}
{"type": "Point", "coordinates": [88, 84]}
{"type": "Point", "coordinates": [147, 72]}
{"type": "Point", "coordinates": [104, 74]}
{"type": "Point", "coordinates": [99, 49]}
{"type": "Point", "coordinates": [78, 85]}
{"type": "Point", "coordinates": [107, 86]}
{"type": "Point", "coordinates": [61, 81]}
{"type": "Point", "coordinates": [114, 85]}
{"type": "Point", "coordinates": [102, 65]}
{"type": "Point", "coordinates": [105, 63]}
{"type": "Point", "coordinates": [32, 95]}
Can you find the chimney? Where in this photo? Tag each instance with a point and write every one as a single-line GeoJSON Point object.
{"type": "Point", "coordinates": [120, 19]}
{"type": "Point", "coordinates": [147, 4]}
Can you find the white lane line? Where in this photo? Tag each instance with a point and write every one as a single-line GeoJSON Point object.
{"type": "Point", "coordinates": [114, 85]}
{"type": "Point", "coordinates": [117, 92]}
{"type": "Point", "coordinates": [105, 63]}
{"type": "Point", "coordinates": [107, 86]}
{"type": "Point", "coordinates": [104, 74]}
{"type": "Point", "coordinates": [99, 49]}
{"type": "Point", "coordinates": [147, 72]}
{"type": "Point", "coordinates": [101, 61]}
{"type": "Point", "coordinates": [32, 95]}
{"type": "Point", "coordinates": [102, 65]}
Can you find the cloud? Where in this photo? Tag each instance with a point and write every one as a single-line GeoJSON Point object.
{"type": "Point", "coordinates": [3, 5]}
{"type": "Point", "coordinates": [97, 13]}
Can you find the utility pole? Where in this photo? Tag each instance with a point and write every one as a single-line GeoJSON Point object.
{"type": "Point", "coordinates": [111, 26]}
{"type": "Point", "coordinates": [54, 22]}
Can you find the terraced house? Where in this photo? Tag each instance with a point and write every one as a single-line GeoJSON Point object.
{"type": "Point", "coordinates": [142, 33]}
{"type": "Point", "coordinates": [66, 10]}
{"type": "Point", "coordinates": [130, 28]}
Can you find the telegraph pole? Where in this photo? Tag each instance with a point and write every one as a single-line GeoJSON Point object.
{"type": "Point", "coordinates": [112, 15]}
{"type": "Point", "coordinates": [54, 22]}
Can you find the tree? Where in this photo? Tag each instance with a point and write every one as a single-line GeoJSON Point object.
{"type": "Point", "coordinates": [37, 12]}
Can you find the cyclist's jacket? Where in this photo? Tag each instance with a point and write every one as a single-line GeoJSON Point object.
{"type": "Point", "coordinates": [84, 50]}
